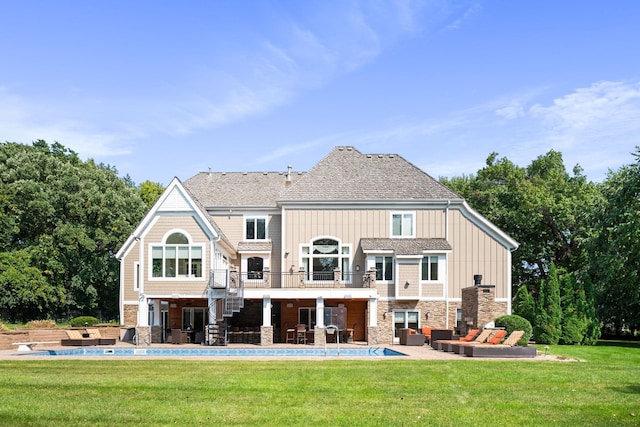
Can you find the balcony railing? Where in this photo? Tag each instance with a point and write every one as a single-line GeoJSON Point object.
{"type": "Point", "coordinates": [294, 280]}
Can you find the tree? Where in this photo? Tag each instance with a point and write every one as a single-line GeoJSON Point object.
{"type": "Point", "coordinates": [541, 206]}
{"type": "Point", "coordinates": [548, 321]}
{"type": "Point", "coordinates": [615, 249]}
{"type": "Point", "coordinates": [70, 217]}
{"type": "Point", "coordinates": [573, 303]}
{"type": "Point", "coordinates": [150, 192]}
{"type": "Point", "coordinates": [524, 304]}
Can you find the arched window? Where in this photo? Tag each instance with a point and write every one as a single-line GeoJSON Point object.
{"type": "Point", "coordinates": [176, 257]}
{"type": "Point", "coordinates": [323, 256]}
{"type": "Point", "coordinates": [254, 268]}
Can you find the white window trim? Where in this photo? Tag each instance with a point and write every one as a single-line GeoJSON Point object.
{"type": "Point", "coordinates": [136, 276]}
{"type": "Point", "coordinates": [244, 267]}
{"type": "Point", "coordinates": [244, 227]}
{"type": "Point", "coordinates": [442, 266]}
{"type": "Point", "coordinates": [341, 256]}
{"type": "Point", "coordinates": [371, 263]}
{"type": "Point", "coordinates": [413, 225]}
{"type": "Point", "coordinates": [163, 245]}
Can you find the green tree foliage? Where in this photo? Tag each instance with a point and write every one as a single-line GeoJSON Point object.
{"type": "Point", "coordinates": [573, 302]}
{"type": "Point", "coordinates": [150, 192]}
{"type": "Point", "coordinates": [593, 330]}
{"type": "Point", "coordinates": [548, 321]}
{"type": "Point", "coordinates": [64, 218]}
{"type": "Point", "coordinates": [541, 206]}
{"type": "Point", "coordinates": [615, 249]}
{"type": "Point", "coordinates": [524, 304]}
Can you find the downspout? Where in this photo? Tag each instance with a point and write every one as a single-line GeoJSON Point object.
{"type": "Point", "coordinates": [446, 288]}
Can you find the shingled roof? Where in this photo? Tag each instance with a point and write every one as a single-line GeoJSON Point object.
{"type": "Point", "coordinates": [347, 174]}
{"type": "Point", "coordinates": [404, 246]}
{"type": "Point", "coordinates": [239, 189]}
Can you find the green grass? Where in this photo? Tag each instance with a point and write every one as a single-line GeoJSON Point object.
{"type": "Point", "coordinates": [603, 389]}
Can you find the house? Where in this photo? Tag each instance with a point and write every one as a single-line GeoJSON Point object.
{"type": "Point", "coordinates": [356, 248]}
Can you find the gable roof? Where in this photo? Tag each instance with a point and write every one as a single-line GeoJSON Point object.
{"type": "Point", "coordinates": [239, 189]}
{"type": "Point", "coordinates": [175, 199]}
{"type": "Point", "coordinates": [347, 174]}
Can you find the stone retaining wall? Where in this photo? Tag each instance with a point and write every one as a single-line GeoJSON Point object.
{"type": "Point", "coordinates": [7, 338]}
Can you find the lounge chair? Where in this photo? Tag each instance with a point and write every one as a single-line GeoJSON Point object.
{"type": "Point", "coordinates": [473, 335]}
{"type": "Point", "coordinates": [76, 339]}
{"type": "Point", "coordinates": [94, 333]}
{"type": "Point", "coordinates": [496, 337]}
{"type": "Point", "coordinates": [508, 348]}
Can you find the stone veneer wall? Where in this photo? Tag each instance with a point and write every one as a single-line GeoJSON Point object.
{"type": "Point", "coordinates": [266, 335]}
{"type": "Point", "coordinates": [383, 334]}
{"type": "Point", "coordinates": [143, 334]}
{"type": "Point", "coordinates": [479, 306]}
{"type": "Point", "coordinates": [130, 315]}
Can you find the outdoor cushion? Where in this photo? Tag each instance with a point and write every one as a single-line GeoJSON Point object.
{"type": "Point", "coordinates": [497, 337]}
{"type": "Point", "coordinates": [471, 335]}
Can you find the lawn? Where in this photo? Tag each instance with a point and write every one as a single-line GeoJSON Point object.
{"type": "Point", "coordinates": [603, 389]}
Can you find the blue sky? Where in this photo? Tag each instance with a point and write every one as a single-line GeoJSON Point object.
{"type": "Point", "coordinates": [161, 89]}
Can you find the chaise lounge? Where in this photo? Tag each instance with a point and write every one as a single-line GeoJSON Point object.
{"type": "Point", "coordinates": [508, 348]}
{"type": "Point", "coordinates": [475, 335]}
{"type": "Point", "coordinates": [495, 337]}
{"type": "Point", "coordinates": [95, 334]}
{"type": "Point", "coordinates": [76, 339]}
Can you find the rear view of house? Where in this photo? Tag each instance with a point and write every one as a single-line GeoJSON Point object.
{"type": "Point", "coordinates": [359, 246]}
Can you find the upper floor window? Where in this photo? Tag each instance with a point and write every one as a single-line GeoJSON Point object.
{"type": "Point", "coordinates": [255, 266]}
{"type": "Point", "coordinates": [402, 224]}
{"type": "Point", "coordinates": [176, 257]}
{"type": "Point", "coordinates": [255, 228]}
{"type": "Point", "coordinates": [384, 268]}
{"type": "Point", "coordinates": [430, 268]}
{"type": "Point", "coordinates": [324, 256]}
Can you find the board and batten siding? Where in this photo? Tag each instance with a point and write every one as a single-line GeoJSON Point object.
{"type": "Point", "coordinates": [350, 225]}
{"type": "Point", "coordinates": [232, 226]}
{"type": "Point", "coordinates": [129, 270]}
{"type": "Point", "coordinates": [170, 286]}
{"type": "Point", "coordinates": [475, 252]}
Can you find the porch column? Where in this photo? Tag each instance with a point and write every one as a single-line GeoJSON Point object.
{"type": "Point", "coordinates": [266, 310]}
{"type": "Point", "coordinates": [320, 312]}
{"type": "Point", "coordinates": [373, 311]}
{"type": "Point", "coordinates": [319, 336]}
{"type": "Point", "coordinates": [143, 311]}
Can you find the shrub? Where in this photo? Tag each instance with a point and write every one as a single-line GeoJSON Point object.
{"type": "Point", "coordinates": [513, 322]}
{"type": "Point", "coordinates": [3, 328]}
{"type": "Point", "coordinates": [81, 321]}
{"type": "Point", "coordinates": [41, 324]}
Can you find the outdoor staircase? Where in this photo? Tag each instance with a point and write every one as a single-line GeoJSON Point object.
{"type": "Point", "coordinates": [229, 289]}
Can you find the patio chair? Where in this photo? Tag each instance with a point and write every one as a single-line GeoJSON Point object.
{"type": "Point", "coordinates": [95, 334]}
{"type": "Point", "coordinates": [473, 335]}
{"type": "Point", "coordinates": [301, 333]}
{"type": "Point", "coordinates": [178, 336]}
{"type": "Point", "coordinates": [75, 338]}
{"type": "Point", "coordinates": [291, 336]}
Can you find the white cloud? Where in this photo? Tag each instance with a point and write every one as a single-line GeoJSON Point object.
{"type": "Point", "coordinates": [604, 106]}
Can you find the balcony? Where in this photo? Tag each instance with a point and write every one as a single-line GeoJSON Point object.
{"type": "Point", "coordinates": [293, 280]}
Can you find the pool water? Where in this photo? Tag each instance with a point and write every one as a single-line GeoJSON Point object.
{"type": "Point", "coordinates": [223, 351]}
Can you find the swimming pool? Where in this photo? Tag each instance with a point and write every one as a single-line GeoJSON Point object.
{"type": "Point", "coordinates": [224, 351]}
